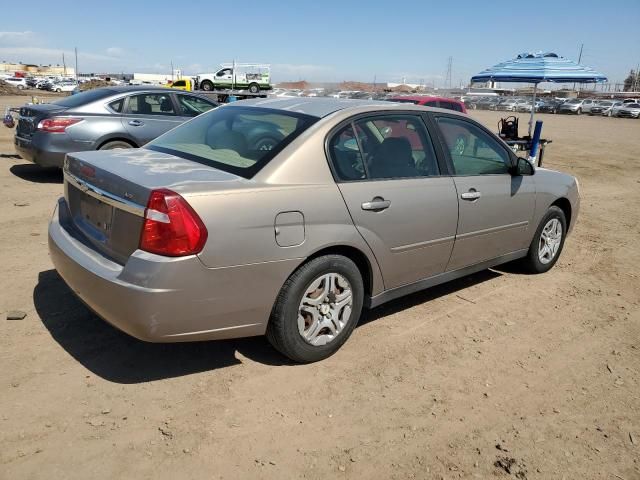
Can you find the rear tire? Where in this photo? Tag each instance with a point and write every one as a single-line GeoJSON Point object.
{"type": "Point", "coordinates": [296, 324]}
{"type": "Point", "coordinates": [115, 144]}
{"type": "Point", "coordinates": [547, 242]}
{"type": "Point", "coordinates": [254, 88]}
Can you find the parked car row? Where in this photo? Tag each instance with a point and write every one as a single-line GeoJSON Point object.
{"type": "Point", "coordinates": [577, 106]}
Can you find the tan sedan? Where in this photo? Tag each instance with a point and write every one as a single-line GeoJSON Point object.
{"type": "Point", "coordinates": [287, 217]}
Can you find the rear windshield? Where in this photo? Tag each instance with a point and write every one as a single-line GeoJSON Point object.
{"type": "Point", "coordinates": [239, 140]}
{"type": "Point", "coordinates": [83, 98]}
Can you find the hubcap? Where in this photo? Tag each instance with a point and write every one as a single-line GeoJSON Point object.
{"type": "Point", "coordinates": [550, 241]}
{"type": "Point", "coordinates": [325, 309]}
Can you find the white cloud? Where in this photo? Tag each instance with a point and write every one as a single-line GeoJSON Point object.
{"type": "Point", "coordinates": [115, 52]}
{"type": "Point", "coordinates": [16, 38]}
{"type": "Point", "coordinates": [300, 70]}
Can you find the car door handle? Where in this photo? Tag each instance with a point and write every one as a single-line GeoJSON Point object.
{"type": "Point", "coordinates": [471, 195]}
{"type": "Point", "coordinates": [136, 123]}
{"type": "Point", "coordinates": [377, 204]}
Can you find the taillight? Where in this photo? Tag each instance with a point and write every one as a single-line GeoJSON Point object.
{"type": "Point", "coordinates": [57, 124]}
{"type": "Point", "coordinates": [171, 227]}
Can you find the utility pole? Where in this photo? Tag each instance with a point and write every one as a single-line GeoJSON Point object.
{"type": "Point", "coordinates": [64, 66]}
{"type": "Point", "coordinates": [447, 81]}
{"type": "Point", "coordinates": [76, 52]}
{"type": "Point", "coordinates": [579, 60]}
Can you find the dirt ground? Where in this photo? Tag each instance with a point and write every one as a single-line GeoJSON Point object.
{"type": "Point", "coordinates": [500, 375]}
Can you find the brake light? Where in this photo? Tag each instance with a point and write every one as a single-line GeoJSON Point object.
{"type": "Point", "coordinates": [57, 124]}
{"type": "Point", "coordinates": [171, 227]}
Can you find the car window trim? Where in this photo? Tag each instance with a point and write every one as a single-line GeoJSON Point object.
{"type": "Point", "coordinates": [434, 116]}
{"type": "Point", "coordinates": [355, 118]}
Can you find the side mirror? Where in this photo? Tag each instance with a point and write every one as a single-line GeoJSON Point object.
{"type": "Point", "coordinates": [521, 166]}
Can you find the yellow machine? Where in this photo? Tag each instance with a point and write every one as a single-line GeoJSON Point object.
{"type": "Point", "coordinates": [183, 84]}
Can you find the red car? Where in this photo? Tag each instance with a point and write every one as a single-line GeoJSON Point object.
{"type": "Point", "coordinates": [429, 101]}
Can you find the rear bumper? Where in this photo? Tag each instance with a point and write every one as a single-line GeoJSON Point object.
{"type": "Point", "coordinates": [161, 299]}
{"type": "Point", "coordinates": [48, 150]}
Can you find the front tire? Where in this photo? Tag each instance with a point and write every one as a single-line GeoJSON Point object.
{"type": "Point", "coordinates": [317, 309]}
{"type": "Point", "coordinates": [547, 242]}
{"type": "Point", "coordinates": [206, 85]}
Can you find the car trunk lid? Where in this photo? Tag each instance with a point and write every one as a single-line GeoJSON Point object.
{"type": "Point", "coordinates": [106, 192]}
{"type": "Point", "coordinates": [31, 115]}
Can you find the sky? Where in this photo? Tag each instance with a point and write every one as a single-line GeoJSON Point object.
{"type": "Point", "coordinates": [328, 41]}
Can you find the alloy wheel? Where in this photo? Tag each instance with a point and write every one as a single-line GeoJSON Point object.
{"type": "Point", "coordinates": [550, 240]}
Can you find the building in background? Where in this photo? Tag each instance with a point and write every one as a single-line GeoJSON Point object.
{"type": "Point", "coordinates": [36, 70]}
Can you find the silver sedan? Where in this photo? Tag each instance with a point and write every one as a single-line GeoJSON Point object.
{"type": "Point", "coordinates": [287, 217]}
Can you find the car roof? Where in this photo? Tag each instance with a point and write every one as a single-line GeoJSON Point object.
{"type": "Point", "coordinates": [419, 98]}
{"type": "Point", "coordinates": [315, 107]}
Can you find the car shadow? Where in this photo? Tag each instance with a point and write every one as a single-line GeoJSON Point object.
{"type": "Point", "coordinates": [120, 358]}
{"type": "Point", "coordinates": [36, 173]}
{"type": "Point", "coordinates": [427, 295]}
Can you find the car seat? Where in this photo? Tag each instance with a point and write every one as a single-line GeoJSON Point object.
{"type": "Point", "coordinates": [227, 139]}
{"type": "Point", "coordinates": [143, 108]}
{"type": "Point", "coordinates": [166, 105]}
{"type": "Point", "coordinates": [393, 159]}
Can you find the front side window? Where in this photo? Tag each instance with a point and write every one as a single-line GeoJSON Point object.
{"type": "Point", "coordinates": [193, 106]}
{"type": "Point", "coordinates": [180, 83]}
{"type": "Point", "coordinates": [236, 139]}
{"type": "Point", "coordinates": [388, 146]}
{"type": "Point", "coordinates": [473, 151]}
{"type": "Point", "coordinates": [151, 104]}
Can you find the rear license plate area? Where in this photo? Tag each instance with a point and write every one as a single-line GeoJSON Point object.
{"type": "Point", "coordinates": [96, 217]}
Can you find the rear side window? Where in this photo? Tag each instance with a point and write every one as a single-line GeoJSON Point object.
{"type": "Point", "coordinates": [236, 139]}
{"type": "Point", "coordinates": [117, 105]}
{"type": "Point", "coordinates": [179, 83]}
{"type": "Point", "coordinates": [386, 147]}
{"type": "Point", "coordinates": [431, 103]}
{"type": "Point", "coordinates": [347, 159]}
{"type": "Point", "coordinates": [151, 104]}
{"type": "Point", "coordinates": [450, 106]}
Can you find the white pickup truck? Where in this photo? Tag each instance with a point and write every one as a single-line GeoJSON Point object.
{"type": "Point", "coordinates": [250, 76]}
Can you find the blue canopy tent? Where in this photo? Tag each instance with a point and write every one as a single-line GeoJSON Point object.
{"type": "Point", "coordinates": [537, 68]}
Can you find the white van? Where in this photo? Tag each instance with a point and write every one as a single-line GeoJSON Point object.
{"type": "Point", "coordinates": [243, 76]}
